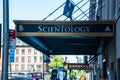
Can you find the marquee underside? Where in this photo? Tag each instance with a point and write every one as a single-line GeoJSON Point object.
{"type": "Point", "coordinates": [50, 42]}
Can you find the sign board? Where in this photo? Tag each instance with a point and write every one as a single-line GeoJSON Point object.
{"type": "Point", "coordinates": [64, 28]}
{"type": "Point", "coordinates": [79, 66]}
{"type": "Point", "coordinates": [37, 75]}
{"type": "Point", "coordinates": [12, 39]}
{"type": "Point", "coordinates": [12, 52]}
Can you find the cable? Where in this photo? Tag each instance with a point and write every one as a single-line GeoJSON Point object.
{"type": "Point", "coordinates": [54, 11]}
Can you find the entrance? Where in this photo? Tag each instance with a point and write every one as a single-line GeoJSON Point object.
{"type": "Point", "coordinates": [66, 37]}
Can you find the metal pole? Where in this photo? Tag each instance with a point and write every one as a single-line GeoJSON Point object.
{"type": "Point", "coordinates": [43, 65]}
{"type": "Point", "coordinates": [5, 40]}
{"type": "Point", "coordinates": [10, 69]}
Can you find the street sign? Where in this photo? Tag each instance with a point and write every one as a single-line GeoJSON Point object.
{"type": "Point", "coordinates": [12, 39]}
{"type": "Point", "coordinates": [12, 52]}
{"type": "Point", "coordinates": [65, 28]}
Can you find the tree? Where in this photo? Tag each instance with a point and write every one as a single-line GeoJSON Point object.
{"type": "Point", "coordinates": [56, 61]}
{"type": "Point", "coordinates": [73, 74]}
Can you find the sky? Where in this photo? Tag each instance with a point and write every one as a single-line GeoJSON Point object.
{"type": "Point", "coordinates": [33, 10]}
{"type": "Point", "coordinates": [29, 9]}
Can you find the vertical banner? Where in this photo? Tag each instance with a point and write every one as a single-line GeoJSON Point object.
{"type": "Point", "coordinates": [12, 44]}
{"type": "Point", "coordinates": [12, 39]}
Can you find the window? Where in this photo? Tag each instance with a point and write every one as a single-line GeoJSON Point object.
{"type": "Point", "coordinates": [35, 51]}
{"type": "Point", "coordinates": [23, 51]}
{"type": "Point", "coordinates": [22, 67]}
{"type": "Point", "coordinates": [18, 42]}
{"type": "Point", "coordinates": [22, 59]}
{"type": "Point", "coordinates": [30, 67]}
{"type": "Point", "coordinates": [29, 51]}
{"type": "Point", "coordinates": [35, 58]}
{"type": "Point", "coordinates": [17, 59]}
{"type": "Point", "coordinates": [40, 58]}
{"type": "Point", "coordinates": [12, 67]}
{"type": "Point", "coordinates": [16, 67]}
{"type": "Point", "coordinates": [29, 59]}
{"type": "Point", "coordinates": [39, 66]}
{"type": "Point", "coordinates": [17, 51]}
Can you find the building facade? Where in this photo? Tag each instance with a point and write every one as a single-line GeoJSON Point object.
{"type": "Point", "coordinates": [26, 58]}
{"type": "Point", "coordinates": [107, 65]}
